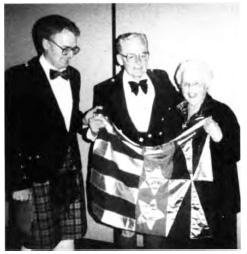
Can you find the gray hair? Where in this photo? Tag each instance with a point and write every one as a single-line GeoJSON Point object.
{"type": "Point", "coordinates": [202, 67]}
{"type": "Point", "coordinates": [127, 36]}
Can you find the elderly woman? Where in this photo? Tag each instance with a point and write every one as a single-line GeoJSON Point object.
{"type": "Point", "coordinates": [220, 198]}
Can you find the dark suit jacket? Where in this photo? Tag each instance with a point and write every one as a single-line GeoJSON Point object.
{"type": "Point", "coordinates": [163, 125]}
{"type": "Point", "coordinates": [36, 137]}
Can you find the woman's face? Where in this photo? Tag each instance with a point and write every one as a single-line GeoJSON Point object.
{"type": "Point", "coordinates": [194, 87]}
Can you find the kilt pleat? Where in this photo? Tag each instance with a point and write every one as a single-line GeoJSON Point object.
{"type": "Point", "coordinates": [49, 225]}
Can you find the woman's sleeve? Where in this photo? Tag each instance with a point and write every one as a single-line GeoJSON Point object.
{"type": "Point", "coordinates": [229, 147]}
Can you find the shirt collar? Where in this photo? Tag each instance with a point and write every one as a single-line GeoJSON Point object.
{"type": "Point", "coordinates": [127, 77]}
{"type": "Point", "coordinates": [47, 65]}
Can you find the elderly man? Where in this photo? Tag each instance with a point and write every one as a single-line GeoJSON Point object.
{"type": "Point", "coordinates": [42, 119]}
{"type": "Point", "coordinates": [139, 102]}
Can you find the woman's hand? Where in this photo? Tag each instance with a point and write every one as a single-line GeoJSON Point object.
{"type": "Point", "coordinates": [213, 129]}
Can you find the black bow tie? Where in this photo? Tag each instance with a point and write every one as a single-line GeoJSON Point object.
{"type": "Point", "coordinates": [64, 74]}
{"type": "Point", "coordinates": [135, 86]}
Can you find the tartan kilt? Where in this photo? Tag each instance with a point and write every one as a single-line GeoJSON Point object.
{"type": "Point", "coordinates": [49, 226]}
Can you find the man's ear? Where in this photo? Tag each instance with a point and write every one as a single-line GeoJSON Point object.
{"type": "Point", "coordinates": [120, 59]}
{"type": "Point", "coordinates": [45, 44]}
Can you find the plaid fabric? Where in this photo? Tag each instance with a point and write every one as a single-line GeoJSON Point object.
{"type": "Point", "coordinates": [50, 226]}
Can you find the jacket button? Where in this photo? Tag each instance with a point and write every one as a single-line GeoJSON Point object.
{"type": "Point", "coordinates": [162, 119]}
{"type": "Point", "coordinates": [160, 133]}
{"type": "Point", "coordinates": [150, 135]}
{"type": "Point", "coordinates": [141, 139]}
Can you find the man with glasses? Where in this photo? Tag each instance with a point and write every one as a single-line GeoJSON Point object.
{"type": "Point", "coordinates": [42, 155]}
{"type": "Point", "coordinates": [139, 102]}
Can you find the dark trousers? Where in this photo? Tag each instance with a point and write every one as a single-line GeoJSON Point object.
{"type": "Point", "coordinates": [150, 241]}
{"type": "Point", "coordinates": [122, 242]}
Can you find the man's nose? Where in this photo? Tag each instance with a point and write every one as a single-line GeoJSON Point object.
{"type": "Point", "coordinates": [138, 59]}
{"type": "Point", "coordinates": [70, 54]}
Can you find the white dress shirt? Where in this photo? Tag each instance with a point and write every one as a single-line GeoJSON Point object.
{"type": "Point", "coordinates": [62, 91]}
{"type": "Point", "coordinates": [139, 106]}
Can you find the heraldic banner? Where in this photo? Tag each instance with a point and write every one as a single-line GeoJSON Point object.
{"type": "Point", "coordinates": [147, 189]}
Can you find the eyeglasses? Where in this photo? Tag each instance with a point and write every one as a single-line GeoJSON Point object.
{"type": "Point", "coordinates": [66, 50]}
{"type": "Point", "coordinates": [132, 58]}
{"type": "Point", "coordinates": [193, 84]}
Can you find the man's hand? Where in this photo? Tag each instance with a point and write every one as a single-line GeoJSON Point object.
{"type": "Point", "coordinates": [91, 113]}
{"type": "Point", "coordinates": [22, 195]}
{"type": "Point", "coordinates": [96, 122]}
{"type": "Point", "coordinates": [213, 129]}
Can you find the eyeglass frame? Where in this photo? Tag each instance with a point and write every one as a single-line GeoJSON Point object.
{"type": "Point", "coordinates": [195, 84]}
{"type": "Point", "coordinates": [146, 53]}
{"type": "Point", "coordinates": [75, 49]}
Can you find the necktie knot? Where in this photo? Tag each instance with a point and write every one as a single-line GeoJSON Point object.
{"type": "Point", "coordinates": [64, 74]}
{"type": "Point", "coordinates": [135, 86]}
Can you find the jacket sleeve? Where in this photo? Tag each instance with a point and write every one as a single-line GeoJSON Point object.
{"type": "Point", "coordinates": [225, 156]}
{"type": "Point", "coordinates": [228, 149]}
{"type": "Point", "coordinates": [78, 115]}
{"type": "Point", "coordinates": [97, 101]}
{"type": "Point", "coordinates": [15, 167]}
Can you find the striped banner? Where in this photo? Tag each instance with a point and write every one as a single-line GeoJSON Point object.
{"type": "Point", "coordinates": [142, 189]}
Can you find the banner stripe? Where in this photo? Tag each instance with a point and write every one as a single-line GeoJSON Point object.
{"type": "Point", "coordinates": [120, 146]}
{"type": "Point", "coordinates": [110, 168]}
{"type": "Point", "coordinates": [113, 187]}
{"type": "Point", "coordinates": [188, 134]}
{"type": "Point", "coordinates": [112, 203]}
{"type": "Point", "coordinates": [113, 219]}
{"type": "Point", "coordinates": [124, 162]}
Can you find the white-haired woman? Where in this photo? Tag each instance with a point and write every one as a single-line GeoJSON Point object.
{"type": "Point", "coordinates": [219, 197]}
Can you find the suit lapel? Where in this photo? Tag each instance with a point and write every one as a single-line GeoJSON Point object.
{"type": "Point", "coordinates": [73, 86]}
{"type": "Point", "coordinates": [44, 89]}
{"type": "Point", "coordinates": [121, 115]}
{"type": "Point", "coordinates": [75, 93]}
{"type": "Point", "coordinates": [155, 108]}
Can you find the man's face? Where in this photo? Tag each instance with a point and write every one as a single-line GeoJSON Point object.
{"type": "Point", "coordinates": [53, 52]}
{"type": "Point", "coordinates": [194, 87]}
{"type": "Point", "coordinates": [134, 57]}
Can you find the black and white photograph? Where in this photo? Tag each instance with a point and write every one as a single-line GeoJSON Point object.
{"type": "Point", "coordinates": [124, 126]}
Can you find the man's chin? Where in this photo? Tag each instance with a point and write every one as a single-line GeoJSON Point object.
{"type": "Point", "coordinates": [63, 66]}
{"type": "Point", "coordinates": [139, 75]}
